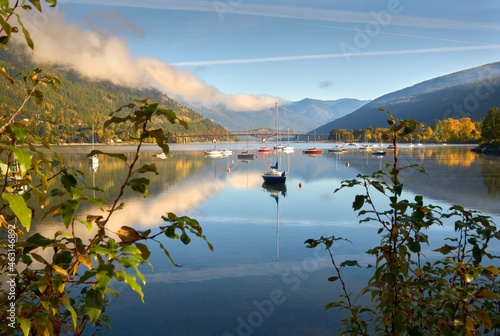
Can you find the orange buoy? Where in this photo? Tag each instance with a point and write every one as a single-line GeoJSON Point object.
{"type": "Point", "coordinates": [300, 185]}
{"type": "Point", "coordinates": [347, 164]}
{"type": "Point", "coordinates": [228, 170]}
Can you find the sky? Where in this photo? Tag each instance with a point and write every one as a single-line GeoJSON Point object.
{"type": "Point", "coordinates": [249, 54]}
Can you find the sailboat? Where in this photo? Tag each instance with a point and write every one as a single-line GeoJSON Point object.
{"type": "Point", "coordinates": [93, 160]}
{"type": "Point", "coordinates": [246, 154]}
{"type": "Point", "coordinates": [214, 152]}
{"type": "Point", "coordinates": [275, 175]}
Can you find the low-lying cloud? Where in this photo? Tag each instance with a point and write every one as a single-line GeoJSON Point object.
{"type": "Point", "coordinates": [103, 56]}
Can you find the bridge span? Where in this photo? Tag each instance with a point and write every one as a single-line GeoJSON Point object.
{"type": "Point", "coordinates": [262, 133]}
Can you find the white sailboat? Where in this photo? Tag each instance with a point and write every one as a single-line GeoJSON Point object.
{"type": "Point", "coordinates": [93, 160]}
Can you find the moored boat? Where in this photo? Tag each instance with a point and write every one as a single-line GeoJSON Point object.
{"type": "Point", "coordinates": [246, 155]}
{"type": "Point", "coordinates": [379, 153]}
{"type": "Point", "coordinates": [265, 150]}
{"type": "Point", "coordinates": [160, 155]}
{"type": "Point", "coordinates": [313, 151]}
{"type": "Point", "coordinates": [274, 175]}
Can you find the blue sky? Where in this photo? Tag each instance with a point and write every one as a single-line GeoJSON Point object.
{"type": "Point", "coordinates": [297, 49]}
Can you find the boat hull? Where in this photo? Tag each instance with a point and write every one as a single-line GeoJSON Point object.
{"type": "Point", "coordinates": [274, 179]}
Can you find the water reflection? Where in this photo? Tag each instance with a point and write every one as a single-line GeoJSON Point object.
{"type": "Point", "coordinates": [254, 225]}
{"type": "Point", "coordinates": [275, 190]}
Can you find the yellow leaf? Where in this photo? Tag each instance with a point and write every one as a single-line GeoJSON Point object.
{"type": "Point", "coordinates": [128, 235]}
{"type": "Point", "coordinates": [494, 270]}
{"type": "Point", "coordinates": [61, 271]}
{"type": "Point", "coordinates": [485, 318]}
{"type": "Point", "coordinates": [86, 260]}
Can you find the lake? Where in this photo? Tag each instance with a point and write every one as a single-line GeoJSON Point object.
{"type": "Point", "coordinates": [260, 279]}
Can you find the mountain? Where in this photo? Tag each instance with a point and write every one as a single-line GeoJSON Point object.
{"type": "Point", "coordinates": [470, 93]}
{"type": "Point", "coordinates": [300, 116]}
{"type": "Point", "coordinates": [68, 114]}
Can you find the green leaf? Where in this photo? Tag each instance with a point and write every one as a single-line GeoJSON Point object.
{"type": "Point", "coordinates": [5, 26]}
{"type": "Point", "coordinates": [476, 253]}
{"type": "Point", "coordinates": [185, 238]}
{"type": "Point", "coordinates": [413, 245]}
{"type": "Point", "coordinates": [139, 185]}
{"type": "Point", "coordinates": [130, 280]}
{"type": "Point", "coordinates": [37, 5]}
{"type": "Point", "coordinates": [68, 306]}
{"type": "Point", "coordinates": [68, 209]}
{"type": "Point", "coordinates": [445, 249]}
{"type": "Point", "coordinates": [147, 169]}
{"type": "Point", "coordinates": [27, 36]}
{"type": "Point", "coordinates": [68, 181]}
{"type": "Point", "coordinates": [145, 253]}
{"type": "Point", "coordinates": [359, 200]}
{"type": "Point", "coordinates": [94, 304]}
{"type": "Point", "coordinates": [104, 275]}
{"type": "Point", "coordinates": [114, 155]}
{"type": "Point", "coordinates": [350, 263]}
{"type": "Point", "coordinates": [25, 325]}
{"type": "Point", "coordinates": [18, 206]}
{"type": "Point", "coordinates": [52, 3]}
{"type": "Point", "coordinates": [398, 189]}
{"type": "Point", "coordinates": [23, 158]}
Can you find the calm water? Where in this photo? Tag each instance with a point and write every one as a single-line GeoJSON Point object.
{"type": "Point", "coordinates": [260, 279]}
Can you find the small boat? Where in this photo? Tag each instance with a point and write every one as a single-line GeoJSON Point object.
{"type": "Point", "coordinates": [246, 155]}
{"type": "Point", "coordinates": [313, 151]}
{"type": "Point", "coordinates": [280, 146]}
{"type": "Point", "coordinates": [265, 150]}
{"type": "Point", "coordinates": [213, 152]}
{"type": "Point", "coordinates": [288, 149]}
{"type": "Point", "coordinates": [160, 155]}
{"type": "Point", "coordinates": [93, 160]}
{"type": "Point", "coordinates": [274, 175]}
{"type": "Point", "coordinates": [336, 149]}
{"type": "Point", "coordinates": [392, 147]}
{"type": "Point", "coordinates": [366, 147]}
{"type": "Point", "coordinates": [226, 152]}
{"type": "Point", "coordinates": [379, 153]}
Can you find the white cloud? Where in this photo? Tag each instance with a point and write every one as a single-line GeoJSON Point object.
{"type": "Point", "coordinates": [103, 56]}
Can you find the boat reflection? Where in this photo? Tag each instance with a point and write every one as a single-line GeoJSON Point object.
{"type": "Point", "coordinates": [275, 190]}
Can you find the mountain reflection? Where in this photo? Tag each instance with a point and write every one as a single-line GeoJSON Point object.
{"type": "Point", "coordinates": [188, 180]}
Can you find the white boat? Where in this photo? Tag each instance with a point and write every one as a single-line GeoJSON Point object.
{"type": "Point", "coordinates": [93, 160]}
{"type": "Point", "coordinates": [160, 155]}
{"type": "Point", "coordinates": [288, 149]}
{"type": "Point", "coordinates": [226, 152]}
{"type": "Point", "coordinates": [213, 152]}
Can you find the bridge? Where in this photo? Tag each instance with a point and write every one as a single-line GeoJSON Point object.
{"type": "Point", "coordinates": [262, 133]}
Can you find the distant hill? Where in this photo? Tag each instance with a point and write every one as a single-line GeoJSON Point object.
{"type": "Point", "coordinates": [469, 93]}
{"type": "Point", "coordinates": [301, 116]}
{"type": "Point", "coordinates": [67, 115]}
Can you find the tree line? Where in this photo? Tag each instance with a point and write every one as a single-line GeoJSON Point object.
{"type": "Point", "coordinates": [462, 130]}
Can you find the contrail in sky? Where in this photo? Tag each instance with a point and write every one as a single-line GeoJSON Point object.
{"type": "Point", "coordinates": [223, 8]}
{"type": "Point", "coordinates": [398, 34]}
{"type": "Point", "coordinates": [338, 55]}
